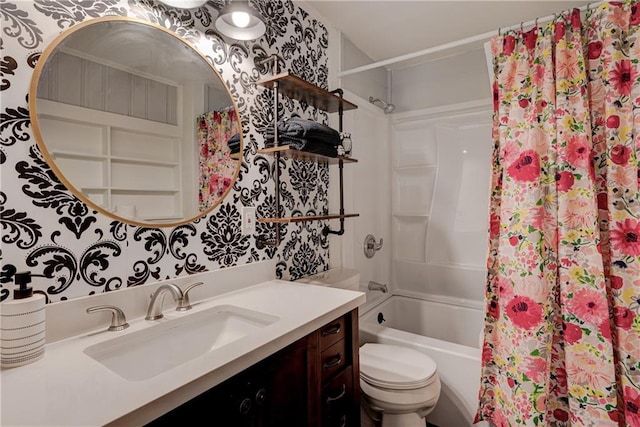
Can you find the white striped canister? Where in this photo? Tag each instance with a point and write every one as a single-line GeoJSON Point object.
{"type": "Point", "coordinates": [22, 331]}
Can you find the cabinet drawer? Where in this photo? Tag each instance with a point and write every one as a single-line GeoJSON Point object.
{"type": "Point", "coordinates": [332, 332]}
{"type": "Point", "coordinates": [333, 359]}
{"type": "Point", "coordinates": [337, 401]}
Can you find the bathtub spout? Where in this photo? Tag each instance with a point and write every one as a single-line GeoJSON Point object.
{"type": "Point", "coordinates": [375, 286]}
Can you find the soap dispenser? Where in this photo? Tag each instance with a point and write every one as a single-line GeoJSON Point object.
{"type": "Point", "coordinates": [22, 320]}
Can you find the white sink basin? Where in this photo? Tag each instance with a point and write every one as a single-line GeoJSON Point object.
{"type": "Point", "coordinates": [146, 353]}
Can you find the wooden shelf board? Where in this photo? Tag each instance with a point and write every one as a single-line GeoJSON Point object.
{"type": "Point", "coordinates": [288, 152]}
{"type": "Point", "coordinates": [296, 88]}
{"type": "Point", "coordinates": [306, 218]}
{"type": "Point", "coordinates": [143, 191]}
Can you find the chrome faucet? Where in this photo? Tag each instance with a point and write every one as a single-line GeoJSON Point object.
{"type": "Point", "coordinates": [375, 286]}
{"type": "Point", "coordinates": [181, 298]}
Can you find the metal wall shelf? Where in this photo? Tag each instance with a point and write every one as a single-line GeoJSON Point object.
{"type": "Point", "coordinates": [292, 153]}
{"type": "Point", "coordinates": [296, 88]}
{"type": "Point", "coordinates": [287, 220]}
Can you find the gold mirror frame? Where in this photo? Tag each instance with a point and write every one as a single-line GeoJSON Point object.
{"type": "Point", "coordinates": [50, 50]}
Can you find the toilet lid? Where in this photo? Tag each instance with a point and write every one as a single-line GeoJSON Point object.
{"type": "Point", "coordinates": [395, 367]}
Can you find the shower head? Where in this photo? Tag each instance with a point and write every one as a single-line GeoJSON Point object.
{"type": "Point", "coordinates": [386, 107]}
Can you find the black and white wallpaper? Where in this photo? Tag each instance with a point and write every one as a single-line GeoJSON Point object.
{"type": "Point", "coordinates": [73, 250]}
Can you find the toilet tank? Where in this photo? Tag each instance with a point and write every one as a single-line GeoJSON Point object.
{"type": "Point", "coordinates": [343, 278]}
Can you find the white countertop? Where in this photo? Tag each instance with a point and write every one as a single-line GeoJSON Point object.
{"type": "Point", "coordinates": [67, 387]}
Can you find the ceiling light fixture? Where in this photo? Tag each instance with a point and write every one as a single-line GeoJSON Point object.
{"type": "Point", "coordinates": [238, 20]}
{"type": "Point", "coordinates": [184, 4]}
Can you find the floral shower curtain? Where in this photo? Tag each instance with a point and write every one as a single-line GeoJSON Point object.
{"type": "Point", "coordinates": [562, 327]}
{"type": "Point", "coordinates": [217, 169]}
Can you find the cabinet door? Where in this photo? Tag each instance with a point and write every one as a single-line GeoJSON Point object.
{"type": "Point", "coordinates": [287, 388]}
{"type": "Point", "coordinates": [272, 393]}
{"type": "Point", "coordinates": [230, 404]}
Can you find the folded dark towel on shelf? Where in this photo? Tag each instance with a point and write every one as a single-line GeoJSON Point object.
{"type": "Point", "coordinates": [299, 133]}
{"type": "Point", "coordinates": [234, 143]}
{"type": "Point", "coordinates": [319, 148]}
{"type": "Point", "coordinates": [310, 146]}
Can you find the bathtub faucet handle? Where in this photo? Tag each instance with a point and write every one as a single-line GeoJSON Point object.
{"type": "Point", "coordinates": [370, 245]}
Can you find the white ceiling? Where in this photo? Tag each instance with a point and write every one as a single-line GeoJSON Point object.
{"type": "Point", "coordinates": [386, 29]}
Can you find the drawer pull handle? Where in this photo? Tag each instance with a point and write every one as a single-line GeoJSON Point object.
{"type": "Point", "coordinates": [332, 361]}
{"type": "Point", "coordinates": [343, 421]}
{"type": "Point", "coordinates": [331, 330]}
{"type": "Point", "coordinates": [340, 395]}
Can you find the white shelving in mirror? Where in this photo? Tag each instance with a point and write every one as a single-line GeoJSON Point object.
{"type": "Point", "coordinates": [116, 165]}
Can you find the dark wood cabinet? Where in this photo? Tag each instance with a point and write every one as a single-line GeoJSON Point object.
{"type": "Point", "coordinates": [313, 382]}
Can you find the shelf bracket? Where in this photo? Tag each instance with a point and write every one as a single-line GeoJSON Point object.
{"type": "Point", "coordinates": [263, 241]}
{"type": "Point", "coordinates": [340, 93]}
{"type": "Point", "coordinates": [272, 60]}
{"type": "Point", "coordinates": [326, 230]}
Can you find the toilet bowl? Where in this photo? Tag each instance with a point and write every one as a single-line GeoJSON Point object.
{"type": "Point", "coordinates": [400, 384]}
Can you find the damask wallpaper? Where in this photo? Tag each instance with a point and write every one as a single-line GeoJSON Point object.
{"type": "Point", "coordinates": [74, 251]}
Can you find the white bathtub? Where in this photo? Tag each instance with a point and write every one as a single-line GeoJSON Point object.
{"type": "Point", "coordinates": [446, 332]}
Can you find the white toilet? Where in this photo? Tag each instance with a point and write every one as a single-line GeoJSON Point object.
{"type": "Point", "coordinates": [399, 383]}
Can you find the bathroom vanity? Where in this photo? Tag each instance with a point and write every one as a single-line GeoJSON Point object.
{"type": "Point", "coordinates": [296, 363]}
{"type": "Point", "coordinates": [312, 382]}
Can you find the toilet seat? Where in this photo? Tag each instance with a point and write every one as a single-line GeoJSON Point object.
{"type": "Point", "coordinates": [394, 367]}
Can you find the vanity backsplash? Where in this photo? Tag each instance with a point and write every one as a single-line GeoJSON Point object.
{"type": "Point", "coordinates": [74, 250]}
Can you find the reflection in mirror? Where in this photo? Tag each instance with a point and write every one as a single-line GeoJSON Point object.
{"type": "Point", "coordinates": [135, 122]}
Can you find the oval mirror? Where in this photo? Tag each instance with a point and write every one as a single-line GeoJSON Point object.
{"type": "Point", "coordinates": [135, 122]}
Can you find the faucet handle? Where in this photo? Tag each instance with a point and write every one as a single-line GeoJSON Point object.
{"type": "Point", "coordinates": [370, 246]}
{"type": "Point", "coordinates": [184, 304]}
{"type": "Point", "coordinates": [118, 319]}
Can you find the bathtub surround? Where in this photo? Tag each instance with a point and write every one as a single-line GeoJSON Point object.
{"type": "Point", "coordinates": [73, 251]}
{"type": "Point", "coordinates": [440, 160]}
{"type": "Point", "coordinates": [564, 249]}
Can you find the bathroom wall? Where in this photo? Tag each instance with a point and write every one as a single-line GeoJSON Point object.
{"type": "Point", "coordinates": [449, 80]}
{"type": "Point", "coordinates": [74, 251]}
{"type": "Point", "coordinates": [368, 192]}
{"type": "Point", "coordinates": [364, 84]}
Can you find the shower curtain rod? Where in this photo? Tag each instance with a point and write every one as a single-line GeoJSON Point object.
{"type": "Point", "coordinates": [457, 43]}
